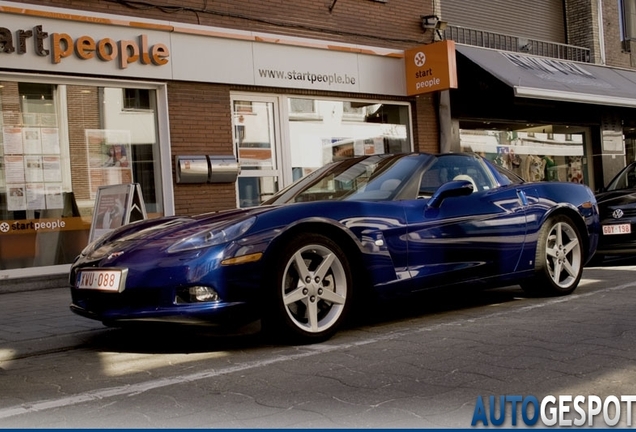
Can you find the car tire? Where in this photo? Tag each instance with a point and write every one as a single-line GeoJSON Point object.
{"type": "Point", "coordinates": [313, 290]}
{"type": "Point", "coordinates": [559, 259]}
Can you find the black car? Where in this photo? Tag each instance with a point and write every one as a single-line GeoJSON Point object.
{"type": "Point", "coordinates": [617, 210]}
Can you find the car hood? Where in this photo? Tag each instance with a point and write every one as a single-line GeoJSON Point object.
{"type": "Point", "coordinates": [172, 228]}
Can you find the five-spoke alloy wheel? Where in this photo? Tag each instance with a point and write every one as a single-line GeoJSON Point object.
{"type": "Point", "coordinates": [314, 288]}
{"type": "Point", "coordinates": [559, 258]}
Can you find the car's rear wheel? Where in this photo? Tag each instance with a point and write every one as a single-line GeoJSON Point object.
{"type": "Point", "coordinates": [559, 258]}
{"type": "Point", "coordinates": [313, 290]}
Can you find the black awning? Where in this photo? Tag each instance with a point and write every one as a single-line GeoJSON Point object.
{"type": "Point", "coordinates": [553, 79]}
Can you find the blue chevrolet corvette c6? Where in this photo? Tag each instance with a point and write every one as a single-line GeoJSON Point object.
{"type": "Point", "coordinates": [380, 225]}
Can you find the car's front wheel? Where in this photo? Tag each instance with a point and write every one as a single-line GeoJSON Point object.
{"type": "Point", "coordinates": [559, 258]}
{"type": "Point", "coordinates": [313, 289]}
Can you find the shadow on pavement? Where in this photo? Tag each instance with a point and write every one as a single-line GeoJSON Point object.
{"type": "Point", "coordinates": [177, 338]}
{"type": "Point", "coordinates": [614, 261]}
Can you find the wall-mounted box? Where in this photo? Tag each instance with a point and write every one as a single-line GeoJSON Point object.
{"type": "Point", "coordinates": [192, 169]}
{"type": "Point", "coordinates": [223, 169]}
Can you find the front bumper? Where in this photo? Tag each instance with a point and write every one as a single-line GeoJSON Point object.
{"type": "Point", "coordinates": [99, 306]}
{"type": "Point", "coordinates": [152, 289]}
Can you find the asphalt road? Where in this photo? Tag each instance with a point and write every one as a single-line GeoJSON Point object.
{"type": "Point", "coordinates": [421, 363]}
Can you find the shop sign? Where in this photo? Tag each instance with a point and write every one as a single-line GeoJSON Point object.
{"type": "Point", "coordinates": [546, 67]}
{"type": "Point", "coordinates": [61, 40]}
{"type": "Point", "coordinates": [62, 45]}
{"type": "Point", "coordinates": [30, 226]}
{"type": "Point", "coordinates": [612, 134]}
{"type": "Point", "coordinates": [430, 68]}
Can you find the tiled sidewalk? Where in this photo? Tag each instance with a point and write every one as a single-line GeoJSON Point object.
{"type": "Point", "coordinates": [34, 321]}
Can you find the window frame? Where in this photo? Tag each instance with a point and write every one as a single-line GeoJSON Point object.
{"type": "Point", "coordinates": [163, 142]}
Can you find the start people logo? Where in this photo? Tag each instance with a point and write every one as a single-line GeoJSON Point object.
{"type": "Point", "coordinates": [52, 225]}
{"type": "Point", "coordinates": [561, 410]}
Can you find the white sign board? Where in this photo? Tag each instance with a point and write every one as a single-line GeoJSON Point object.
{"type": "Point", "coordinates": [116, 206]}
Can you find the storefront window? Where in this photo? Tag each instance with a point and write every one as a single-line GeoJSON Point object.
{"type": "Point", "coordinates": [59, 144]}
{"type": "Point", "coordinates": [630, 149]}
{"type": "Point", "coordinates": [257, 144]}
{"type": "Point", "coordinates": [255, 138]}
{"type": "Point", "coordinates": [318, 131]}
{"type": "Point", "coordinates": [322, 131]}
{"type": "Point", "coordinates": [532, 155]}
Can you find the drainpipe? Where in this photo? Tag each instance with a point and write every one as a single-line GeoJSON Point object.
{"type": "Point", "coordinates": [445, 122]}
{"type": "Point", "coordinates": [601, 36]}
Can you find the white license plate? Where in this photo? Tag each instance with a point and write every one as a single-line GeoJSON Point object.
{"type": "Point", "coordinates": [617, 229]}
{"type": "Point", "coordinates": [107, 280]}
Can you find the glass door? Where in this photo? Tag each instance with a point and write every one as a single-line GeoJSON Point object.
{"type": "Point", "coordinates": [256, 135]}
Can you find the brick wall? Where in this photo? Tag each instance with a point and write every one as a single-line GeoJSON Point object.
{"type": "Point", "coordinates": [583, 30]}
{"type": "Point", "coordinates": [200, 123]}
{"type": "Point", "coordinates": [614, 53]}
{"type": "Point", "coordinates": [394, 24]}
{"type": "Point", "coordinates": [425, 124]}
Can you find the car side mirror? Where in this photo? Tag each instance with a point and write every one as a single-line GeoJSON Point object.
{"type": "Point", "coordinates": [455, 188]}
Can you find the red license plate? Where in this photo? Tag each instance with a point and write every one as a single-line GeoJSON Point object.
{"type": "Point", "coordinates": [107, 280]}
{"type": "Point", "coordinates": [617, 229]}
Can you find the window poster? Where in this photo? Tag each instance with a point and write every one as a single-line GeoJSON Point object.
{"type": "Point", "coordinates": [12, 137]}
{"type": "Point", "coordinates": [31, 157]}
{"type": "Point", "coordinates": [54, 196]}
{"type": "Point", "coordinates": [33, 168]}
{"type": "Point", "coordinates": [16, 199]}
{"type": "Point", "coordinates": [52, 168]}
{"type": "Point", "coordinates": [31, 141]}
{"type": "Point", "coordinates": [14, 169]}
{"type": "Point", "coordinates": [50, 140]}
{"type": "Point", "coordinates": [35, 196]}
{"type": "Point", "coordinates": [109, 152]}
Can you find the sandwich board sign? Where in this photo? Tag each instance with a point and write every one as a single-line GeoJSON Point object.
{"type": "Point", "coordinates": [115, 206]}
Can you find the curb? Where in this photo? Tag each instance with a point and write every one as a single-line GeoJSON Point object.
{"type": "Point", "coordinates": [47, 345]}
{"type": "Point", "coordinates": [33, 283]}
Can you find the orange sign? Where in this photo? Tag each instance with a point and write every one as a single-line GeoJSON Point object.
{"type": "Point", "coordinates": [62, 45]}
{"type": "Point", "coordinates": [430, 68]}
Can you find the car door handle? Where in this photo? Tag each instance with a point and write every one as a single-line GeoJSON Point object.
{"type": "Point", "coordinates": [522, 196]}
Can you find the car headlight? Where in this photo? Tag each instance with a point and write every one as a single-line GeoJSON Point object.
{"type": "Point", "coordinates": [212, 236]}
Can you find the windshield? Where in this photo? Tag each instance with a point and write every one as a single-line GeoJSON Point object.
{"type": "Point", "coordinates": [626, 179]}
{"type": "Point", "coordinates": [393, 177]}
{"type": "Point", "coordinates": [377, 177]}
